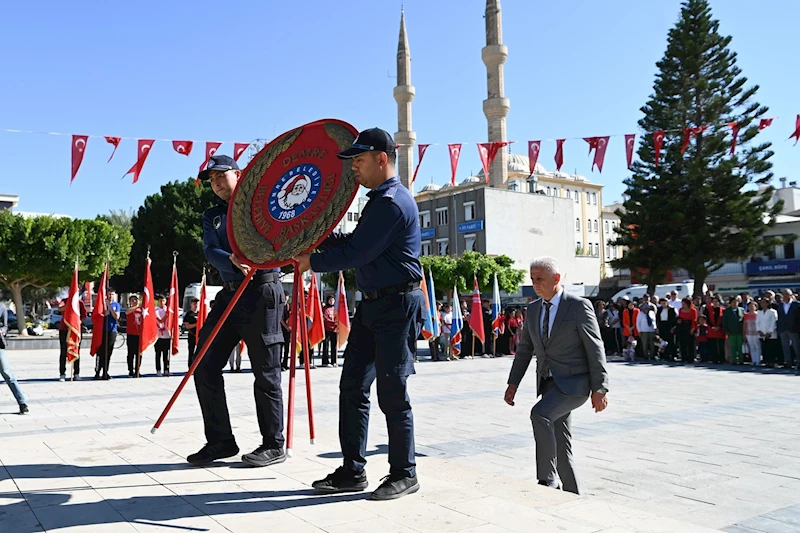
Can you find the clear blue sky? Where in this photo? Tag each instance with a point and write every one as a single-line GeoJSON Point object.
{"type": "Point", "coordinates": [202, 70]}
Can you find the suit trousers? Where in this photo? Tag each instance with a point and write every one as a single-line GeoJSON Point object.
{"type": "Point", "coordinates": [382, 346]}
{"type": "Point", "coordinates": [551, 417]}
{"type": "Point", "coordinates": [790, 342]}
{"type": "Point", "coordinates": [255, 319]}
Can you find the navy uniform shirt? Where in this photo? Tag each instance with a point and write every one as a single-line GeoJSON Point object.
{"type": "Point", "coordinates": [216, 247]}
{"type": "Point", "coordinates": [385, 246]}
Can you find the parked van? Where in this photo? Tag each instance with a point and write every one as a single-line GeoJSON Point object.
{"type": "Point", "coordinates": [684, 289]}
{"type": "Point", "coordinates": [193, 291]}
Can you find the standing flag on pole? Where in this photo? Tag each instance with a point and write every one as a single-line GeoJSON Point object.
{"type": "Point", "coordinates": [457, 324]}
{"type": "Point", "coordinates": [316, 327]}
{"type": "Point", "coordinates": [99, 314]}
{"type": "Point", "coordinates": [427, 325]}
{"type": "Point", "coordinates": [476, 313]}
{"type": "Point", "coordinates": [202, 310]}
{"type": "Point", "coordinates": [498, 328]}
{"type": "Point", "coordinates": [437, 330]}
{"type": "Point", "coordinates": [149, 328]}
{"type": "Point", "coordinates": [342, 314]}
{"type": "Point", "coordinates": [72, 318]}
{"type": "Point", "coordinates": [173, 308]}
{"type": "Point", "coordinates": [78, 151]}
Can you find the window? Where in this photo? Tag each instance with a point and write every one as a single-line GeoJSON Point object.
{"type": "Point", "coordinates": [426, 247]}
{"type": "Point", "coordinates": [513, 186]}
{"type": "Point", "coordinates": [578, 248]}
{"type": "Point", "coordinates": [548, 191]}
{"type": "Point", "coordinates": [577, 224]}
{"type": "Point", "coordinates": [569, 194]}
{"type": "Point", "coordinates": [594, 198]}
{"type": "Point", "coordinates": [595, 226]}
{"type": "Point", "coordinates": [588, 197]}
{"type": "Point", "coordinates": [469, 210]}
{"type": "Point", "coordinates": [605, 224]}
{"type": "Point", "coordinates": [441, 216]}
{"type": "Point", "coordinates": [577, 197]}
{"type": "Point", "coordinates": [597, 248]}
{"type": "Point", "coordinates": [591, 249]}
{"type": "Point", "coordinates": [425, 219]}
{"type": "Point", "coordinates": [531, 186]}
{"type": "Point", "coordinates": [443, 246]}
{"type": "Point", "coordinates": [608, 251]}
{"type": "Point", "coordinates": [788, 251]}
{"type": "Point", "coordinates": [589, 225]}
{"type": "Point", "coordinates": [469, 243]}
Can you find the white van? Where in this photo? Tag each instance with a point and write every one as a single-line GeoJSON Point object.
{"type": "Point", "coordinates": [193, 291]}
{"type": "Point", "coordinates": [684, 289]}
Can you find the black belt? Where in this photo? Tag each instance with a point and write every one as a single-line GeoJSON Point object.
{"type": "Point", "coordinates": [258, 279]}
{"type": "Point", "coordinates": [393, 289]}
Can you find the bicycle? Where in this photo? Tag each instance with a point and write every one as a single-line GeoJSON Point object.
{"type": "Point", "coordinates": [120, 341]}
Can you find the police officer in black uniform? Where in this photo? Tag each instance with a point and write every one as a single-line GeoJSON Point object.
{"type": "Point", "coordinates": [384, 249]}
{"type": "Point", "coordinates": [255, 319]}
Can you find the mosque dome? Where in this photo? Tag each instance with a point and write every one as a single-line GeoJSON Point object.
{"type": "Point", "coordinates": [519, 164]}
{"type": "Point", "coordinates": [431, 187]}
{"type": "Point", "coordinates": [472, 180]}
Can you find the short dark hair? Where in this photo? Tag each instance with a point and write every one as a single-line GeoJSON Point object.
{"type": "Point", "coordinates": [160, 296]}
{"type": "Point", "coordinates": [391, 156]}
{"type": "Point", "coordinates": [194, 300]}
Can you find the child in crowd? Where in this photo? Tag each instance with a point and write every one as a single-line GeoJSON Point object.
{"type": "Point", "coordinates": [629, 353]}
{"type": "Point", "coordinates": [662, 348]}
{"type": "Point", "coordinates": [702, 338]}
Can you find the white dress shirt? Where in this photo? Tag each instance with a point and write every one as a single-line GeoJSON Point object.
{"type": "Point", "coordinates": [163, 332]}
{"type": "Point", "coordinates": [676, 304]}
{"type": "Point", "coordinates": [554, 302]}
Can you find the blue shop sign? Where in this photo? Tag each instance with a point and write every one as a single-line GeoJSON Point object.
{"type": "Point", "coordinates": [427, 233]}
{"type": "Point", "coordinates": [766, 268]}
{"type": "Point", "coordinates": [472, 225]}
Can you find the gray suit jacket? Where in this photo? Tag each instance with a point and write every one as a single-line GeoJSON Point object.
{"type": "Point", "coordinates": [574, 352]}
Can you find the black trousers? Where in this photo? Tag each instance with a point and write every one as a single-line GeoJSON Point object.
{"type": "Point", "coordinates": [256, 319]}
{"type": "Point", "coordinates": [162, 353]}
{"type": "Point", "coordinates": [62, 358]}
{"type": "Point", "coordinates": [666, 335]}
{"type": "Point", "coordinates": [287, 337]}
{"type": "Point", "coordinates": [133, 353]}
{"type": "Point", "coordinates": [192, 347]}
{"type": "Point", "coordinates": [329, 347]}
{"type": "Point", "coordinates": [686, 340]}
{"type": "Point", "coordinates": [382, 345]}
{"type": "Point", "coordinates": [103, 356]}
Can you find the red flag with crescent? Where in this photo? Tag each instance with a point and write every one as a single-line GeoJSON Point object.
{"type": "Point", "coordinates": [202, 309]}
{"type": "Point", "coordinates": [630, 140]}
{"type": "Point", "coordinates": [688, 132]}
{"type": "Point", "coordinates": [343, 314]}
{"type": "Point", "coordinates": [183, 147]}
{"type": "Point", "coordinates": [99, 314]}
{"type": "Point", "coordinates": [78, 151]}
{"type": "Point", "coordinates": [658, 140]}
{"type": "Point", "coordinates": [421, 149]}
{"type": "Point", "coordinates": [316, 328]}
{"type": "Point", "coordinates": [72, 318]}
{"type": "Point", "coordinates": [476, 313]}
{"type": "Point", "coordinates": [765, 123]}
{"type": "Point", "coordinates": [455, 153]}
{"type": "Point", "coordinates": [488, 151]}
{"type": "Point", "coordinates": [173, 322]}
{"type": "Point", "coordinates": [238, 150]}
{"type": "Point", "coordinates": [143, 150]}
{"type": "Point", "coordinates": [599, 145]}
{"type": "Point", "coordinates": [148, 332]}
{"type": "Point", "coordinates": [796, 134]}
{"type": "Point", "coordinates": [211, 149]}
{"type": "Point", "coordinates": [559, 159]}
{"type": "Point", "coordinates": [735, 133]}
{"type": "Point", "coordinates": [115, 141]}
{"type": "Point", "coordinates": [534, 147]}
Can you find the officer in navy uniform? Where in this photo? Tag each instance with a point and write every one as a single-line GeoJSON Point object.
{"type": "Point", "coordinates": [384, 249]}
{"type": "Point", "coordinates": [255, 319]}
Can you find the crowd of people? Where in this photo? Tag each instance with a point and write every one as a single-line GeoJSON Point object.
{"type": "Point", "coordinates": [710, 329]}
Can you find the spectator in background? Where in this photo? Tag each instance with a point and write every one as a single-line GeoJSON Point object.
{"type": "Point", "coordinates": [702, 338]}
{"type": "Point", "coordinates": [602, 315]}
{"type": "Point", "coordinates": [133, 329]}
{"type": "Point", "coordinates": [447, 322]}
{"type": "Point", "coordinates": [750, 331]}
{"type": "Point", "coordinates": [164, 337]}
{"type": "Point", "coordinates": [767, 327]}
{"type": "Point", "coordinates": [467, 346]}
{"type": "Point", "coordinates": [5, 366]}
{"type": "Point", "coordinates": [716, 335]}
{"type": "Point", "coordinates": [666, 323]}
{"type": "Point", "coordinates": [732, 319]}
{"type": "Point", "coordinates": [675, 302]}
{"type": "Point", "coordinates": [329, 347]}
{"type": "Point", "coordinates": [646, 324]}
{"type": "Point", "coordinates": [630, 317]}
{"type": "Point", "coordinates": [615, 325]}
{"type": "Point", "coordinates": [789, 327]}
{"type": "Point", "coordinates": [687, 328]}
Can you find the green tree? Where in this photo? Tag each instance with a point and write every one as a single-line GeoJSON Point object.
{"type": "Point", "coordinates": [331, 279]}
{"type": "Point", "coordinates": [41, 252]}
{"type": "Point", "coordinates": [170, 220]}
{"type": "Point", "coordinates": [698, 209]}
{"type": "Point", "coordinates": [121, 218]}
{"type": "Point", "coordinates": [449, 271]}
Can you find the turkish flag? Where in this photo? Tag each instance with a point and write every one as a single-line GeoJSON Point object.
{"type": "Point", "coordinates": [455, 153]}
{"type": "Point", "coordinates": [211, 149]}
{"type": "Point", "coordinates": [99, 314]}
{"type": "Point", "coordinates": [534, 147]}
{"type": "Point", "coordinates": [72, 318]}
{"type": "Point", "coordinates": [658, 140]}
{"type": "Point", "coordinates": [422, 148]}
{"type": "Point", "coordinates": [488, 151]}
{"type": "Point", "coordinates": [599, 145]}
{"type": "Point", "coordinates": [202, 309]}
{"type": "Point", "coordinates": [173, 309]}
{"type": "Point", "coordinates": [735, 133]}
{"type": "Point", "coordinates": [687, 132]}
{"type": "Point", "coordinates": [238, 150]}
{"type": "Point", "coordinates": [183, 147]}
{"type": "Point", "coordinates": [78, 151]}
{"type": "Point", "coordinates": [316, 328]}
{"type": "Point", "coordinates": [765, 123]}
{"type": "Point", "coordinates": [115, 141]}
{"type": "Point", "coordinates": [476, 313]}
{"type": "Point", "coordinates": [630, 140]}
{"type": "Point", "coordinates": [796, 134]}
{"type": "Point", "coordinates": [144, 146]}
{"type": "Point", "coordinates": [559, 159]}
{"type": "Point", "coordinates": [342, 313]}
{"type": "Point", "coordinates": [149, 328]}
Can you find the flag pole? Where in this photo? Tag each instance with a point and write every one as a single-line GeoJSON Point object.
{"type": "Point", "coordinates": [80, 326]}
{"type": "Point", "coordinates": [105, 328]}
{"type": "Point", "coordinates": [174, 266]}
{"type": "Point", "coordinates": [307, 369]}
{"type": "Point", "coordinates": [204, 349]}
{"type": "Point", "coordinates": [293, 324]}
{"type": "Point", "coordinates": [139, 355]}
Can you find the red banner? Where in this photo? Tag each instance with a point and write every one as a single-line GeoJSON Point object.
{"type": "Point", "coordinates": [559, 159]}
{"type": "Point", "coordinates": [687, 132]}
{"type": "Point", "coordinates": [238, 150]}
{"type": "Point", "coordinates": [202, 308]}
{"type": "Point", "coordinates": [658, 140]}
{"type": "Point", "coordinates": [342, 313]}
{"type": "Point", "coordinates": [99, 315]}
{"type": "Point", "coordinates": [316, 328]}
{"type": "Point", "coordinates": [421, 149]}
{"type": "Point", "coordinates": [115, 141]}
{"type": "Point", "coordinates": [455, 153]}
{"type": "Point", "coordinates": [599, 145]}
{"type": "Point", "coordinates": [183, 147]}
{"type": "Point", "coordinates": [735, 133]}
{"type": "Point", "coordinates": [630, 140]}
{"type": "Point", "coordinates": [796, 134]}
{"type": "Point", "coordinates": [72, 318]}
{"type": "Point", "coordinates": [173, 320]}
{"type": "Point", "coordinates": [534, 147]}
{"type": "Point", "coordinates": [149, 329]}
{"type": "Point", "coordinates": [765, 123]}
{"type": "Point", "coordinates": [476, 313]}
{"type": "Point", "coordinates": [144, 146]}
{"type": "Point", "coordinates": [211, 149]}
{"type": "Point", "coordinates": [488, 152]}
{"type": "Point", "coordinates": [78, 151]}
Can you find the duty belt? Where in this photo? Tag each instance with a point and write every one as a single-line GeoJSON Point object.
{"type": "Point", "coordinates": [393, 289]}
{"type": "Point", "coordinates": [258, 279]}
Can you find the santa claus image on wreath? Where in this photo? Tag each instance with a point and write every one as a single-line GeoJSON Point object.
{"type": "Point", "coordinates": [294, 192]}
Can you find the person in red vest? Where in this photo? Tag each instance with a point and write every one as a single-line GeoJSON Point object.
{"type": "Point", "coordinates": [329, 344]}
{"type": "Point", "coordinates": [62, 339]}
{"type": "Point", "coordinates": [716, 335]}
{"type": "Point", "coordinates": [133, 313]}
{"type": "Point", "coordinates": [629, 316]}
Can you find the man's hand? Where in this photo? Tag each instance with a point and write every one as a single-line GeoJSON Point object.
{"type": "Point", "coordinates": [599, 401]}
{"type": "Point", "coordinates": [238, 264]}
{"type": "Point", "coordinates": [511, 391]}
{"type": "Point", "coordinates": [303, 262]}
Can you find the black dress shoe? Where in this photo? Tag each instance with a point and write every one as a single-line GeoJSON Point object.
{"type": "Point", "coordinates": [211, 452]}
{"type": "Point", "coordinates": [23, 409]}
{"type": "Point", "coordinates": [342, 480]}
{"type": "Point", "coordinates": [394, 487]}
{"type": "Point", "coordinates": [264, 456]}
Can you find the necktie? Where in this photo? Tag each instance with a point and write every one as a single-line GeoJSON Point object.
{"type": "Point", "coordinates": [546, 323]}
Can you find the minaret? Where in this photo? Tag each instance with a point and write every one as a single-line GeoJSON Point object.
{"type": "Point", "coordinates": [403, 94]}
{"type": "Point", "coordinates": [496, 106]}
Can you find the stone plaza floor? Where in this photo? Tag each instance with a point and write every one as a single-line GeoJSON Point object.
{"type": "Point", "coordinates": [680, 449]}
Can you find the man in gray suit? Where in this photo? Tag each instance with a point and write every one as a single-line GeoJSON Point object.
{"type": "Point", "coordinates": [562, 331]}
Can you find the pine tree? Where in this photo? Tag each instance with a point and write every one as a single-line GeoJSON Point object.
{"type": "Point", "coordinates": [702, 208]}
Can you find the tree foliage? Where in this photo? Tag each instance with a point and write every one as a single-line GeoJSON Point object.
{"type": "Point", "coordinates": [702, 208]}
{"type": "Point", "coordinates": [451, 271]}
{"type": "Point", "coordinates": [331, 279]}
{"type": "Point", "coordinates": [121, 218]}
